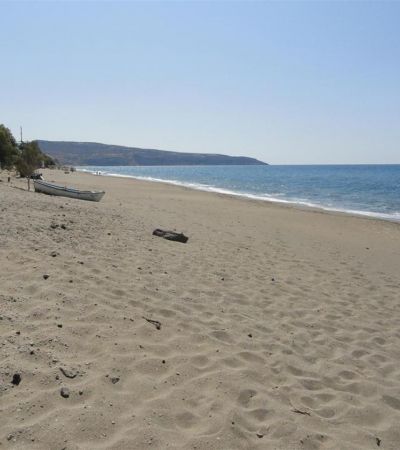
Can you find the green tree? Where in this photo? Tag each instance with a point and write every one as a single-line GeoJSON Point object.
{"type": "Point", "coordinates": [31, 158]}
{"type": "Point", "coordinates": [8, 148]}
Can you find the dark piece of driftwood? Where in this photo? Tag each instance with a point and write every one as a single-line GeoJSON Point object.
{"type": "Point", "coordinates": [69, 373]}
{"type": "Point", "coordinates": [171, 235]}
{"type": "Point", "coordinates": [156, 323]}
{"type": "Point", "coordinates": [298, 411]}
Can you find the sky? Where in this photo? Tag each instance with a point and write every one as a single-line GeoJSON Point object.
{"type": "Point", "coordinates": [285, 82]}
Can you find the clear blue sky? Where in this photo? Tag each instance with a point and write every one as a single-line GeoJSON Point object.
{"type": "Point", "coordinates": [286, 82]}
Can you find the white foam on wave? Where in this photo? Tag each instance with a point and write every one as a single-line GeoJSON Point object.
{"type": "Point", "coordinates": [393, 217]}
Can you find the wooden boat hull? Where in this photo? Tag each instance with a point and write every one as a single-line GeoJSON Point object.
{"type": "Point", "coordinates": [62, 191]}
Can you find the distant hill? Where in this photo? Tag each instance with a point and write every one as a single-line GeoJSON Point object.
{"type": "Point", "coordinates": [94, 154]}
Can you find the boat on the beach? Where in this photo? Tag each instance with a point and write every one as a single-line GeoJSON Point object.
{"type": "Point", "coordinates": [63, 191]}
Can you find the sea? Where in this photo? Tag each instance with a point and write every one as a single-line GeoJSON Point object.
{"type": "Point", "coordinates": [368, 190]}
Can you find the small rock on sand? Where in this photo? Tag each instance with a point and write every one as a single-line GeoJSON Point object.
{"type": "Point", "coordinates": [64, 392]}
{"type": "Point", "coordinates": [16, 379]}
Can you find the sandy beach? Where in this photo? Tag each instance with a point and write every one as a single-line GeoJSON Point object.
{"type": "Point", "coordinates": [279, 326]}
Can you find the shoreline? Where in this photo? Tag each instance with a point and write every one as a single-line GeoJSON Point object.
{"type": "Point", "coordinates": [252, 197]}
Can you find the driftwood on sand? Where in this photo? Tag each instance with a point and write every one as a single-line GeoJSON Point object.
{"type": "Point", "coordinates": [171, 235]}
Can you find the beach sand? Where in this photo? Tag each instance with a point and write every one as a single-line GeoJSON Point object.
{"type": "Point", "coordinates": [279, 326]}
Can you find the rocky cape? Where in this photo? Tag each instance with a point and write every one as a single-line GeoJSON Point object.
{"type": "Point", "coordinates": [95, 154]}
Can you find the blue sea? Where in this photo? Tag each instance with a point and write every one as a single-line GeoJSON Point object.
{"type": "Point", "coordinates": [371, 190]}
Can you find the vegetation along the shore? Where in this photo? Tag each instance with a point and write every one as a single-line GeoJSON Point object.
{"type": "Point", "coordinates": [25, 157]}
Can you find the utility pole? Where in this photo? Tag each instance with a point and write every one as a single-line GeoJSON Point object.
{"type": "Point", "coordinates": [20, 129]}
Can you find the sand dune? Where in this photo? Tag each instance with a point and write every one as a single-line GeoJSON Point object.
{"type": "Point", "coordinates": [279, 326]}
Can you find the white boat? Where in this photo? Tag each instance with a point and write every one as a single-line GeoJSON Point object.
{"type": "Point", "coordinates": [55, 189]}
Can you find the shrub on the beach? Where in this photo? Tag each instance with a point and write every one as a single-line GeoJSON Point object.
{"type": "Point", "coordinates": [8, 148]}
{"type": "Point", "coordinates": [25, 157]}
{"type": "Point", "coordinates": [31, 158]}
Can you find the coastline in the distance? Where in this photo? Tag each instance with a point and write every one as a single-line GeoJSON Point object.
{"type": "Point", "coordinates": [96, 154]}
